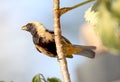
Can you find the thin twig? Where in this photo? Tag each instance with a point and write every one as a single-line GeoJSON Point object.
{"type": "Point", "coordinates": [57, 32]}
{"type": "Point", "coordinates": [66, 9]}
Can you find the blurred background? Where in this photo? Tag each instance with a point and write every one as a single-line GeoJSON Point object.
{"type": "Point", "coordinates": [20, 61]}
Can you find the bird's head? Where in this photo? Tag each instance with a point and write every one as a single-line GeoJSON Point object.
{"type": "Point", "coordinates": [28, 27]}
{"type": "Point", "coordinates": [34, 27]}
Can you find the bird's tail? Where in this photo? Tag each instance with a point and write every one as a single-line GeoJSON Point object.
{"type": "Point", "coordinates": [87, 51]}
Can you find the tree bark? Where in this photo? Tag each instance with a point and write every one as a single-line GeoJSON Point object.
{"type": "Point", "coordinates": [57, 32]}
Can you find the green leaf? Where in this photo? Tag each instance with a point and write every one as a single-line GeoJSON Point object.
{"type": "Point", "coordinates": [108, 29]}
{"type": "Point", "coordinates": [105, 17]}
{"type": "Point", "coordinates": [36, 78]}
{"type": "Point", "coordinates": [54, 79]}
{"type": "Point", "coordinates": [115, 8]}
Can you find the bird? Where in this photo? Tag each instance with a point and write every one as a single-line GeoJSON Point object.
{"type": "Point", "coordinates": [44, 41]}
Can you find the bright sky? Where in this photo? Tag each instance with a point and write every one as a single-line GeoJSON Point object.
{"type": "Point", "coordinates": [19, 60]}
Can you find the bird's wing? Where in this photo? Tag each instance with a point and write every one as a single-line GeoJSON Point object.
{"type": "Point", "coordinates": [45, 51]}
{"type": "Point", "coordinates": [37, 48]}
{"type": "Point", "coordinates": [63, 38]}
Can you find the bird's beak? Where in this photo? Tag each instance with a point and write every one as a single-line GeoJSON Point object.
{"type": "Point", "coordinates": [24, 28]}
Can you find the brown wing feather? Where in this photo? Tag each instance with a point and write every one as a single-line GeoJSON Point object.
{"type": "Point", "coordinates": [44, 51]}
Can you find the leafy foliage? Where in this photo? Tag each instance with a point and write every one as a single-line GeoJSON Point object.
{"type": "Point", "coordinates": [105, 16]}
{"type": "Point", "coordinates": [36, 78]}
{"type": "Point", "coordinates": [41, 78]}
{"type": "Point", "coordinates": [53, 79]}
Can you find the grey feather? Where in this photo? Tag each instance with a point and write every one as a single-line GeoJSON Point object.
{"type": "Point", "coordinates": [87, 51]}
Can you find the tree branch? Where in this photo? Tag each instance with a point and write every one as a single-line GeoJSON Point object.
{"type": "Point", "coordinates": [66, 9]}
{"type": "Point", "coordinates": [57, 32]}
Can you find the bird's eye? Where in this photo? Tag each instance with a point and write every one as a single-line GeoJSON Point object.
{"type": "Point", "coordinates": [29, 25]}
